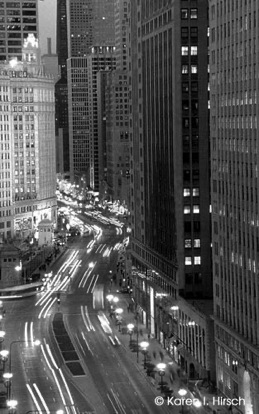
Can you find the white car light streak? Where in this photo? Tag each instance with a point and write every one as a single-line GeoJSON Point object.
{"type": "Point", "coordinates": [94, 283]}
{"type": "Point", "coordinates": [54, 375]}
{"type": "Point", "coordinates": [117, 339]}
{"type": "Point", "coordinates": [25, 333]}
{"type": "Point", "coordinates": [112, 341]}
{"type": "Point", "coordinates": [88, 347]}
{"type": "Point", "coordinates": [41, 398]}
{"type": "Point", "coordinates": [31, 334]}
{"type": "Point", "coordinates": [88, 289]}
{"type": "Point", "coordinates": [43, 309]}
{"type": "Point", "coordinates": [34, 398]}
{"type": "Point", "coordinates": [67, 388]}
{"type": "Point", "coordinates": [50, 354]}
{"type": "Point", "coordinates": [48, 308]}
{"type": "Point", "coordinates": [115, 411]}
{"type": "Point", "coordinates": [44, 298]}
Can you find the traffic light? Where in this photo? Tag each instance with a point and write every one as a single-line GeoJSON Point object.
{"type": "Point", "coordinates": [58, 298]}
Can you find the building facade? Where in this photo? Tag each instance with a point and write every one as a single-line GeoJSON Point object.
{"type": "Point", "coordinates": [170, 183]}
{"type": "Point", "coordinates": [61, 91]}
{"type": "Point", "coordinates": [17, 19]}
{"type": "Point", "coordinates": [90, 24]}
{"type": "Point", "coordinates": [28, 174]}
{"type": "Point", "coordinates": [234, 182]}
{"type": "Point", "coordinates": [117, 136]}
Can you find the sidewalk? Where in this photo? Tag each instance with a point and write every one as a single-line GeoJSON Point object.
{"type": "Point", "coordinates": [174, 378]}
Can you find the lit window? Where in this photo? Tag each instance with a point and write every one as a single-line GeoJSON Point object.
{"type": "Point", "coordinates": [194, 69]}
{"type": "Point", "coordinates": [186, 192]}
{"type": "Point", "coordinates": [196, 192]}
{"type": "Point", "coordinates": [184, 13]}
{"type": "Point", "coordinates": [194, 50]}
{"type": "Point", "coordinates": [188, 260]}
{"type": "Point", "coordinates": [187, 209]}
{"type": "Point", "coordinates": [187, 243]}
{"type": "Point", "coordinates": [197, 260]}
{"type": "Point", "coordinates": [194, 13]}
{"type": "Point", "coordinates": [197, 243]}
{"type": "Point", "coordinates": [185, 69]}
{"type": "Point", "coordinates": [185, 50]}
{"type": "Point", "coordinates": [196, 209]}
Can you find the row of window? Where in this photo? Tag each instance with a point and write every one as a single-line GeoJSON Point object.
{"type": "Point", "coordinates": [189, 13]}
{"type": "Point", "coordinates": [186, 69]}
{"type": "Point", "coordinates": [189, 260]}
{"type": "Point", "coordinates": [195, 209]}
{"type": "Point", "coordinates": [189, 243]}
{"type": "Point", "coordinates": [192, 50]}
{"type": "Point", "coordinates": [187, 192]}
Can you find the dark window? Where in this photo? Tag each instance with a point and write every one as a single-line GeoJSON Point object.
{"type": "Point", "coordinates": [185, 87]}
{"type": "Point", "coordinates": [187, 227]}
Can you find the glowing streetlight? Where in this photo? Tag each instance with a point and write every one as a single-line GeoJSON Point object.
{"type": "Point", "coordinates": [182, 392]}
{"type": "Point", "coordinates": [144, 345]}
{"type": "Point", "coordinates": [130, 327]}
{"type": "Point", "coordinates": [161, 371]}
{"type": "Point", "coordinates": [118, 312]}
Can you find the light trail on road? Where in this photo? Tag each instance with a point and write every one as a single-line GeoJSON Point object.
{"type": "Point", "coordinates": [86, 319]}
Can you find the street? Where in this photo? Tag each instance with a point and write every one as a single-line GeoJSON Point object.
{"type": "Point", "coordinates": [107, 381]}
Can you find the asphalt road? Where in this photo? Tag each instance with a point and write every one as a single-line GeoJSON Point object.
{"type": "Point", "coordinates": [42, 380]}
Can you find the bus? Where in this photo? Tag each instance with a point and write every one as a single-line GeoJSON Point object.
{"type": "Point", "coordinates": [21, 291]}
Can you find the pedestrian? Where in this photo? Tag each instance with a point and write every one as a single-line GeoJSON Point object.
{"type": "Point", "coordinates": [128, 308]}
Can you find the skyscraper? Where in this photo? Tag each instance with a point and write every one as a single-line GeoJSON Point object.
{"type": "Point", "coordinates": [170, 191]}
{"type": "Point", "coordinates": [234, 173]}
{"type": "Point", "coordinates": [28, 174]}
{"type": "Point", "coordinates": [90, 24]}
{"type": "Point", "coordinates": [18, 19]}
{"type": "Point", "coordinates": [61, 91]}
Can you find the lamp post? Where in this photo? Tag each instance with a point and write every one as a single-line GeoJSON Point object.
{"type": "Point", "coordinates": [144, 345]}
{"type": "Point", "coordinates": [119, 317]}
{"type": "Point", "coordinates": [7, 376]}
{"type": "Point", "coordinates": [161, 371]}
{"type": "Point", "coordinates": [2, 336]}
{"type": "Point", "coordinates": [12, 404]}
{"type": "Point", "coordinates": [137, 335]}
{"type": "Point", "coordinates": [130, 327]}
{"type": "Point", "coordinates": [182, 392]}
{"type": "Point", "coordinates": [4, 356]}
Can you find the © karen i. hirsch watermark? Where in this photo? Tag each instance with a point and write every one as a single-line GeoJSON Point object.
{"type": "Point", "coordinates": [215, 401]}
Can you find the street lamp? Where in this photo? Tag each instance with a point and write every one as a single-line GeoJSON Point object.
{"type": "Point", "coordinates": [161, 371]}
{"type": "Point", "coordinates": [130, 327]}
{"type": "Point", "coordinates": [119, 317]}
{"type": "Point", "coordinates": [7, 376]}
{"type": "Point", "coordinates": [144, 345]}
{"type": "Point", "coordinates": [12, 404]}
{"type": "Point", "coordinates": [182, 392]}
{"type": "Point", "coordinates": [4, 356]}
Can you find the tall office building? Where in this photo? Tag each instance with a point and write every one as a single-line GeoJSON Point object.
{"type": "Point", "coordinates": [234, 69]}
{"type": "Point", "coordinates": [61, 91]}
{"type": "Point", "coordinates": [90, 24]}
{"type": "Point", "coordinates": [17, 19]}
{"type": "Point", "coordinates": [113, 137]}
{"type": "Point", "coordinates": [28, 174]}
{"type": "Point", "coordinates": [170, 186]}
